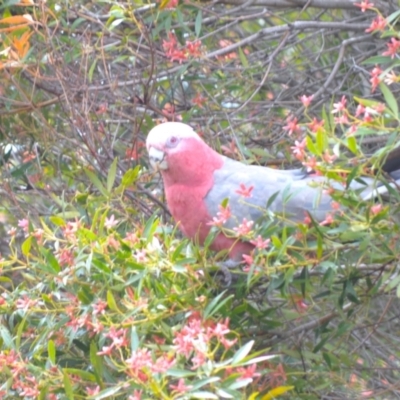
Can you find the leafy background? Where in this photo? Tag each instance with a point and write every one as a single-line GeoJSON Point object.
{"type": "Point", "coordinates": [101, 295]}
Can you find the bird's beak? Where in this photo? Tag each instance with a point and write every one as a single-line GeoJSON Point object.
{"type": "Point", "coordinates": [157, 160]}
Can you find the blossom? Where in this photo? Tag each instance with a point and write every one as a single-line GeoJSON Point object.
{"type": "Point", "coordinates": [328, 220]}
{"type": "Point", "coordinates": [376, 209]}
{"type": "Point", "coordinates": [393, 47]}
{"type": "Point", "coordinates": [244, 228]}
{"type": "Point", "coordinates": [260, 243]}
{"type": "Point", "coordinates": [292, 125]}
{"type": "Point", "coordinates": [340, 106]}
{"type": "Point", "coordinates": [171, 4]}
{"type": "Point", "coordinates": [329, 158]}
{"type": "Point", "coordinates": [299, 148]}
{"type": "Point", "coordinates": [194, 48]}
{"type": "Point", "coordinates": [390, 78]}
{"type": "Point", "coordinates": [249, 372]}
{"type": "Point", "coordinates": [375, 78]}
{"type": "Point", "coordinates": [342, 119]}
{"type": "Point", "coordinates": [140, 255]}
{"type": "Point", "coordinates": [180, 387]}
{"type": "Point", "coordinates": [24, 224]}
{"type": "Point", "coordinates": [222, 217]}
{"type": "Point", "coordinates": [248, 259]}
{"type": "Point", "coordinates": [310, 163]}
{"type": "Point", "coordinates": [360, 110]}
{"type": "Point", "coordinates": [315, 125]}
{"type": "Point", "coordinates": [364, 5]}
{"type": "Point", "coordinates": [378, 24]}
{"type": "Point", "coordinates": [199, 100]}
{"type": "Point", "coordinates": [306, 100]}
{"type": "Point", "coordinates": [244, 191]}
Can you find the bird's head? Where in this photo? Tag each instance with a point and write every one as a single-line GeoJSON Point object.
{"type": "Point", "coordinates": [169, 141]}
{"type": "Point", "coordinates": [180, 154]}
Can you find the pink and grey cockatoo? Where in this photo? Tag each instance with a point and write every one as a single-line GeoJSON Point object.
{"type": "Point", "coordinates": [197, 179]}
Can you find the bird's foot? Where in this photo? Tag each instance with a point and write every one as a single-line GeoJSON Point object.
{"type": "Point", "coordinates": [225, 267]}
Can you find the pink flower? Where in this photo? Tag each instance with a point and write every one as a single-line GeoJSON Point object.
{"type": "Point", "coordinates": [180, 387]}
{"type": "Point", "coordinates": [310, 164]}
{"type": "Point", "coordinates": [375, 78]}
{"type": "Point", "coordinates": [315, 125]}
{"type": "Point", "coordinates": [379, 108]}
{"type": "Point", "coordinates": [393, 47]}
{"type": "Point", "coordinates": [194, 48]}
{"type": "Point", "coordinates": [244, 228]}
{"type": "Point", "coordinates": [299, 148]}
{"type": "Point", "coordinates": [306, 100]}
{"type": "Point", "coordinates": [260, 243]}
{"type": "Point", "coordinates": [138, 360]}
{"type": "Point", "coordinates": [390, 78]}
{"type": "Point", "coordinates": [137, 395]}
{"type": "Point", "coordinates": [249, 372]}
{"type": "Point", "coordinates": [248, 259]}
{"type": "Point", "coordinates": [110, 222]}
{"type": "Point", "coordinates": [360, 110]}
{"type": "Point", "coordinates": [364, 5]}
{"type": "Point", "coordinates": [378, 24]}
{"type": "Point", "coordinates": [163, 364]}
{"type": "Point", "coordinates": [340, 106]}
{"type": "Point", "coordinates": [376, 209]}
{"type": "Point", "coordinates": [328, 220]}
{"type": "Point", "coordinates": [328, 157]}
{"type": "Point", "coordinates": [24, 224]}
{"type": "Point", "coordinates": [105, 351]}
{"type": "Point", "coordinates": [222, 217]}
{"type": "Point", "coordinates": [140, 256]}
{"type": "Point", "coordinates": [342, 119]}
{"type": "Point", "coordinates": [93, 391]}
{"type": "Point", "coordinates": [171, 4]}
{"type": "Point", "coordinates": [292, 125]}
{"type": "Point", "coordinates": [244, 191]}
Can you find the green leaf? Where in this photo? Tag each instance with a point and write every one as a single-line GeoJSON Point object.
{"type": "Point", "coordinates": [106, 393]}
{"type": "Point", "coordinates": [376, 60]}
{"type": "Point", "coordinates": [51, 260]}
{"type": "Point", "coordinates": [26, 246]}
{"type": "Point", "coordinates": [96, 182]}
{"type": "Point", "coordinates": [51, 349]}
{"type": "Point", "coordinates": [112, 173]}
{"type": "Point", "coordinates": [58, 221]}
{"type": "Point", "coordinates": [130, 176]}
{"type": "Point", "coordinates": [91, 70]}
{"type": "Point", "coordinates": [198, 23]}
{"type": "Point", "coordinates": [320, 141]}
{"type": "Point", "coordinates": [242, 352]}
{"type": "Point", "coordinates": [352, 144]}
{"type": "Point", "coordinates": [243, 58]}
{"type": "Point", "coordinates": [7, 338]}
{"type": "Point", "coordinates": [216, 304]}
{"type": "Point", "coordinates": [150, 227]}
{"type": "Point", "coordinates": [274, 393]}
{"type": "Point", "coordinates": [96, 361]}
{"type": "Point", "coordinates": [111, 301]}
{"type": "Point", "coordinates": [390, 99]}
{"type": "Point", "coordinates": [68, 386]}
{"type": "Point", "coordinates": [203, 395]}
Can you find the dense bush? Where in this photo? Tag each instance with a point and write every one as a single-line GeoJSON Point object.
{"type": "Point", "coordinates": [101, 295]}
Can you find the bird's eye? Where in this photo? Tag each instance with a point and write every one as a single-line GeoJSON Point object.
{"type": "Point", "coordinates": [172, 141]}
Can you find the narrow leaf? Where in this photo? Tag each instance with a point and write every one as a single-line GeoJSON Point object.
{"type": "Point", "coordinates": [390, 99]}
{"type": "Point", "coordinates": [242, 352]}
{"type": "Point", "coordinates": [112, 173]}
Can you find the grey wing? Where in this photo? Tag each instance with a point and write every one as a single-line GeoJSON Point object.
{"type": "Point", "coordinates": [294, 193]}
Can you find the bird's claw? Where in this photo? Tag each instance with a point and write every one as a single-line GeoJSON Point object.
{"type": "Point", "coordinates": [224, 267]}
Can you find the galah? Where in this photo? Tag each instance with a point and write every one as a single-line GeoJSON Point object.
{"type": "Point", "coordinates": [197, 180]}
